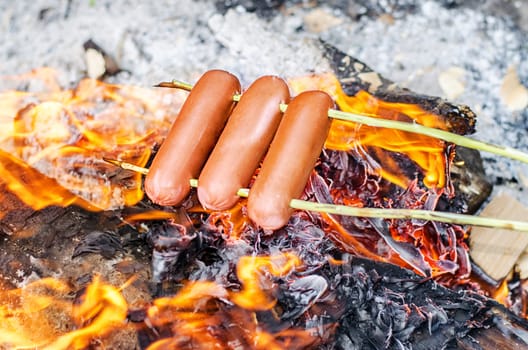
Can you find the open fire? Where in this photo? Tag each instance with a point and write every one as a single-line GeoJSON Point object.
{"type": "Point", "coordinates": [217, 280]}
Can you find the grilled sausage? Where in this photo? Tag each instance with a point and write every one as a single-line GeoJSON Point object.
{"type": "Point", "coordinates": [290, 159]}
{"type": "Point", "coordinates": [191, 137]}
{"type": "Point", "coordinates": [243, 143]}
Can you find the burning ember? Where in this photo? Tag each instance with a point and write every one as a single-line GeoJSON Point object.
{"type": "Point", "coordinates": [218, 281]}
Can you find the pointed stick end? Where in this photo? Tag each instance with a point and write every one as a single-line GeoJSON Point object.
{"type": "Point", "coordinates": [127, 166]}
{"type": "Point", "coordinates": [113, 161]}
{"type": "Point", "coordinates": [175, 84]}
{"type": "Point", "coordinates": [165, 84]}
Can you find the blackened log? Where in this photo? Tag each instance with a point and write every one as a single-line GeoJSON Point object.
{"type": "Point", "coordinates": [355, 75]}
{"type": "Point", "coordinates": [470, 182]}
{"type": "Point", "coordinates": [469, 178]}
{"type": "Point", "coordinates": [392, 308]}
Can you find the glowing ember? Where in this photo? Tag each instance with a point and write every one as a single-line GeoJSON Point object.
{"type": "Point", "coordinates": [351, 176]}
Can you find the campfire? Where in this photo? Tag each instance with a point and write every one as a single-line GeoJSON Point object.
{"type": "Point", "coordinates": [375, 256]}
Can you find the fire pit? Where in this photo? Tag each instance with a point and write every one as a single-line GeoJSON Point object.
{"type": "Point", "coordinates": [87, 262]}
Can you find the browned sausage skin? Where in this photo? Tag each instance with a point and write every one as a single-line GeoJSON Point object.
{"type": "Point", "coordinates": [290, 159]}
{"type": "Point", "coordinates": [191, 137]}
{"type": "Point", "coordinates": [243, 143]}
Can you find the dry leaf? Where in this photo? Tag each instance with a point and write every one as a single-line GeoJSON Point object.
{"type": "Point", "coordinates": [387, 19]}
{"type": "Point", "coordinates": [496, 250]}
{"type": "Point", "coordinates": [452, 82]}
{"type": "Point", "coordinates": [513, 94]}
{"type": "Point", "coordinates": [95, 63]}
{"type": "Point", "coordinates": [320, 20]}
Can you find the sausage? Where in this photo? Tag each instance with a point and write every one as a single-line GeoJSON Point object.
{"type": "Point", "coordinates": [243, 143]}
{"type": "Point", "coordinates": [191, 137]}
{"type": "Point", "coordinates": [290, 159]}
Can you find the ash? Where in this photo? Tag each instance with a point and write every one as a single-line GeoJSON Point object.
{"type": "Point", "coordinates": [408, 41]}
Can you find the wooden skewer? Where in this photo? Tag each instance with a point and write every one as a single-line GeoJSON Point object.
{"type": "Point", "coordinates": [415, 128]}
{"type": "Point", "coordinates": [409, 214]}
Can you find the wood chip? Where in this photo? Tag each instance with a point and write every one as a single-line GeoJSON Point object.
{"type": "Point", "coordinates": [513, 94]}
{"type": "Point", "coordinates": [522, 264]}
{"type": "Point", "coordinates": [98, 62]}
{"type": "Point", "coordinates": [319, 20]}
{"type": "Point", "coordinates": [452, 82]}
{"type": "Point", "coordinates": [95, 64]}
{"type": "Point", "coordinates": [496, 251]}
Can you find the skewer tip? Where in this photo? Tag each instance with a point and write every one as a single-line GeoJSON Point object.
{"type": "Point", "coordinates": [115, 162]}
{"type": "Point", "coordinates": [175, 84]}
{"type": "Point", "coordinates": [165, 84]}
{"type": "Point", "coordinates": [127, 166]}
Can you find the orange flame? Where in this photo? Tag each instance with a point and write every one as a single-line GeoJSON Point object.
{"type": "Point", "coordinates": [195, 317]}
{"type": "Point", "coordinates": [502, 293]}
{"type": "Point", "coordinates": [252, 270]}
{"type": "Point", "coordinates": [372, 142]}
{"type": "Point", "coordinates": [150, 215]}
{"type": "Point", "coordinates": [64, 134]}
{"type": "Point", "coordinates": [38, 315]}
{"type": "Point", "coordinates": [32, 187]}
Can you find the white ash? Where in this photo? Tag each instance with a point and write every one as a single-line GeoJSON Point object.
{"type": "Point", "coordinates": [161, 40]}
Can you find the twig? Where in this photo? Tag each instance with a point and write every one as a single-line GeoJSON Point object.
{"type": "Point", "coordinates": [409, 214]}
{"type": "Point", "coordinates": [467, 142]}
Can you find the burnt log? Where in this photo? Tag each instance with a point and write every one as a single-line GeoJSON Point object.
{"type": "Point", "coordinates": [397, 308]}
{"type": "Point", "coordinates": [355, 75]}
